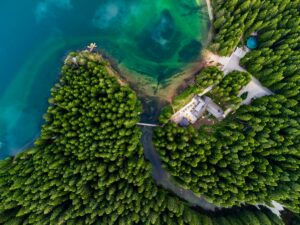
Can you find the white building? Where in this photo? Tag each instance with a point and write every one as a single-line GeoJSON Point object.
{"type": "Point", "coordinates": [213, 108]}
{"type": "Point", "coordinates": [191, 112]}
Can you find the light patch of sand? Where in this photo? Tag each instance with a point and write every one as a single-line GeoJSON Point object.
{"type": "Point", "coordinates": [46, 8]}
{"type": "Point", "coordinates": [212, 59]}
{"type": "Point", "coordinates": [114, 73]}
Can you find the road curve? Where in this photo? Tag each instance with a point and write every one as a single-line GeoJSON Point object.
{"type": "Point", "coordinates": [163, 178]}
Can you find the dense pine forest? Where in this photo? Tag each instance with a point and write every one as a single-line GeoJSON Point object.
{"type": "Point", "coordinates": [227, 90]}
{"type": "Point", "coordinates": [88, 167]}
{"type": "Point", "coordinates": [253, 156]}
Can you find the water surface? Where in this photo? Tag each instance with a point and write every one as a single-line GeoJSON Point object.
{"type": "Point", "coordinates": [155, 38]}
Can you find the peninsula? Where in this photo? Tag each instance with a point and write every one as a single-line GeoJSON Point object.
{"type": "Point", "coordinates": [225, 150]}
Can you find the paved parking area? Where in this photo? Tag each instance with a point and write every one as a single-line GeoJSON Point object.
{"type": "Point", "coordinates": [254, 88]}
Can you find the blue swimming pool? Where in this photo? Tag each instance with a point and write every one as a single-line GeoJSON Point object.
{"type": "Point", "coordinates": [252, 42]}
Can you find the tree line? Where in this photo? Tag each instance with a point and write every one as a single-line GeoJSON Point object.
{"type": "Point", "coordinates": [252, 156]}
{"type": "Point", "coordinates": [87, 166]}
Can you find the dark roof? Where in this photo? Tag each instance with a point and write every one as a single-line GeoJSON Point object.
{"type": "Point", "coordinates": [184, 122]}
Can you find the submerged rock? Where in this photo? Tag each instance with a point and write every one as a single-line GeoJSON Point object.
{"type": "Point", "coordinates": [159, 40]}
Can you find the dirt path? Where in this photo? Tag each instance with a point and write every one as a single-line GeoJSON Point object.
{"type": "Point", "coordinates": [163, 178]}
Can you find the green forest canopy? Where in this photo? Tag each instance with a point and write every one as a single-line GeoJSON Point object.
{"type": "Point", "coordinates": [254, 155]}
{"type": "Point", "coordinates": [87, 166]}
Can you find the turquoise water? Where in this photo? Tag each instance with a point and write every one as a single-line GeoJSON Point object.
{"type": "Point", "coordinates": [252, 42]}
{"type": "Point", "coordinates": [155, 38]}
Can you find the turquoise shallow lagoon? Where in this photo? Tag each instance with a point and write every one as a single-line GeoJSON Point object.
{"type": "Point", "coordinates": [154, 38]}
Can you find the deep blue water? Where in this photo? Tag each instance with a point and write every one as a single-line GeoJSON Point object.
{"type": "Point", "coordinates": [153, 37]}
